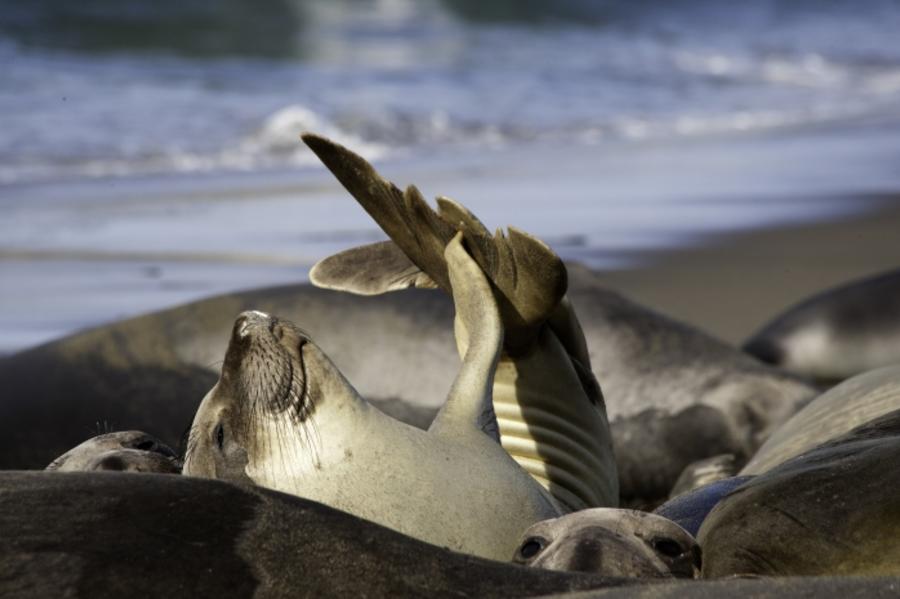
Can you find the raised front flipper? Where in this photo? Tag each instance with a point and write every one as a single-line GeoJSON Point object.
{"type": "Point", "coordinates": [468, 406]}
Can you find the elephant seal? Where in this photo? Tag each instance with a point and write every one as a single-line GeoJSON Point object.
{"type": "Point", "coordinates": [127, 451]}
{"type": "Point", "coordinates": [549, 408]}
{"type": "Point", "coordinates": [839, 410]}
{"type": "Point", "coordinates": [95, 535]}
{"type": "Point", "coordinates": [611, 542]}
{"type": "Point", "coordinates": [833, 510]}
{"type": "Point", "coordinates": [837, 333]}
{"type": "Point", "coordinates": [99, 534]}
{"type": "Point", "coordinates": [282, 416]}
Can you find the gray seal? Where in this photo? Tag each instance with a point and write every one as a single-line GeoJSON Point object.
{"type": "Point", "coordinates": [837, 333]}
{"type": "Point", "coordinates": [613, 542]}
{"type": "Point", "coordinates": [123, 451]}
{"type": "Point", "coordinates": [832, 510]}
{"type": "Point", "coordinates": [836, 412]}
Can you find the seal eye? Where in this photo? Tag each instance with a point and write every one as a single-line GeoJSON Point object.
{"type": "Point", "coordinates": [531, 547]}
{"type": "Point", "coordinates": [220, 436]}
{"type": "Point", "coordinates": [667, 547]}
{"type": "Point", "coordinates": [146, 445]}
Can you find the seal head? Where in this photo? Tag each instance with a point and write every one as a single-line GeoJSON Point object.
{"type": "Point", "coordinates": [611, 541]}
{"type": "Point", "coordinates": [124, 451]}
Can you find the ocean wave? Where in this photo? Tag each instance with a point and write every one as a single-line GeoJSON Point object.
{"type": "Point", "coordinates": [398, 77]}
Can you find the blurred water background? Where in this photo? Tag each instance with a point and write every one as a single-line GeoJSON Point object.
{"type": "Point", "coordinates": [149, 150]}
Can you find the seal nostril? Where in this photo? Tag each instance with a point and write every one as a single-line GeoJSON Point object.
{"type": "Point", "coordinates": [152, 445]}
{"type": "Point", "coordinates": [531, 547]}
{"type": "Point", "coordinates": [667, 547]}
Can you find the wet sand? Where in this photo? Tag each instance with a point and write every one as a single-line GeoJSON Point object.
{"type": "Point", "coordinates": [730, 285]}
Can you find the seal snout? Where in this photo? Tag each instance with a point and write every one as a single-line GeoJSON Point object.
{"type": "Point", "coordinates": [249, 320]}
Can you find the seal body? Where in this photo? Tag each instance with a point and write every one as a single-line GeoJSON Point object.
{"type": "Point", "coordinates": [611, 541]}
{"type": "Point", "coordinates": [282, 416]}
{"type": "Point", "coordinates": [837, 333]}
{"type": "Point", "coordinates": [124, 451]}
{"type": "Point", "coordinates": [832, 510]}
{"type": "Point", "coordinates": [836, 412]}
{"type": "Point", "coordinates": [92, 534]}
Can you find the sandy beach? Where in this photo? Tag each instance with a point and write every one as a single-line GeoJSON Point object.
{"type": "Point", "coordinates": [730, 285]}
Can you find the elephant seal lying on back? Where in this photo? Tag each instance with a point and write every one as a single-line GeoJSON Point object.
{"type": "Point", "coordinates": [282, 416]}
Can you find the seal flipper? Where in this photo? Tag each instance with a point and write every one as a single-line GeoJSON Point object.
{"type": "Point", "coordinates": [469, 404]}
{"type": "Point", "coordinates": [529, 278]}
{"type": "Point", "coordinates": [369, 269]}
{"type": "Point", "coordinates": [403, 215]}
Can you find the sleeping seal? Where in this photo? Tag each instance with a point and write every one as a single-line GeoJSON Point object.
{"type": "Point", "coordinates": [127, 451]}
{"type": "Point", "coordinates": [282, 416]}
{"type": "Point", "coordinates": [611, 542]}
{"type": "Point", "coordinates": [837, 333]}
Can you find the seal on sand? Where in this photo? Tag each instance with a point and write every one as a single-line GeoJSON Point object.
{"type": "Point", "coordinates": [126, 451]}
{"type": "Point", "coordinates": [612, 542]}
{"type": "Point", "coordinates": [283, 417]}
{"type": "Point", "coordinates": [837, 333]}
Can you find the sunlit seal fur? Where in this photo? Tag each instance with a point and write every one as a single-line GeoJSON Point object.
{"type": "Point", "coordinates": [125, 451]}
{"type": "Point", "coordinates": [833, 510]}
{"type": "Point", "coordinates": [550, 411]}
{"type": "Point", "coordinates": [283, 417]}
{"type": "Point", "coordinates": [612, 542]}
{"type": "Point", "coordinates": [837, 333]}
